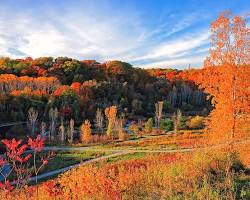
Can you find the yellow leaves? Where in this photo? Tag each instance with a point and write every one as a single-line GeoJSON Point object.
{"type": "Point", "coordinates": [110, 113]}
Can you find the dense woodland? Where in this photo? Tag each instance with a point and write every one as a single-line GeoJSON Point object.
{"type": "Point", "coordinates": [77, 88]}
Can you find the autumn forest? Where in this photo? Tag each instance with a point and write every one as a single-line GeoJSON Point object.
{"type": "Point", "coordinates": [82, 129]}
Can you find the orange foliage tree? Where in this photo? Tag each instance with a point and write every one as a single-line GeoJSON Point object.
{"type": "Point", "coordinates": [10, 83]}
{"type": "Point", "coordinates": [86, 132]}
{"type": "Point", "coordinates": [225, 77]}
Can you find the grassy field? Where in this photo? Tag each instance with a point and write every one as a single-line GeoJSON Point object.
{"type": "Point", "coordinates": [127, 157]}
{"type": "Point", "coordinates": [67, 158]}
{"type": "Point", "coordinates": [186, 139]}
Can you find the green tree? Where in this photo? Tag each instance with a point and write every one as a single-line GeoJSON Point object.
{"type": "Point", "coordinates": [137, 106]}
{"type": "Point", "coordinates": [167, 124]}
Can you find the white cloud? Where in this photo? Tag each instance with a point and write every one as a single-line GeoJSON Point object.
{"type": "Point", "coordinates": [68, 35]}
{"type": "Point", "coordinates": [177, 47]}
{"type": "Point", "coordinates": [194, 61]}
{"type": "Point", "coordinates": [83, 35]}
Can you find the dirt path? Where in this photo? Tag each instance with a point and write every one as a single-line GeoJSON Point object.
{"type": "Point", "coordinates": [58, 171]}
{"type": "Point", "coordinates": [117, 152]}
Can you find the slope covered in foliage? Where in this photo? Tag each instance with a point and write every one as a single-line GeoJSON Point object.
{"type": "Point", "coordinates": [77, 88]}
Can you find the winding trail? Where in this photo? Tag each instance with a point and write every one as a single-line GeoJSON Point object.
{"type": "Point", "coordinates": [58, 171]}
{"type": "Point", "coordinates": [116, 152]}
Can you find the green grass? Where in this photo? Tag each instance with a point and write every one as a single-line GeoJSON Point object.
{"type": "Point", "coordinates": [243, 187]}
{"type": "Point", "coordinates": [127, 157]}
{"type": "Point", "coordinates": [67, 158]}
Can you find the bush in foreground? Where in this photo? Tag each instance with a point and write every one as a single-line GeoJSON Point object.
{"type": "Point", "coordinates": [166, 176]}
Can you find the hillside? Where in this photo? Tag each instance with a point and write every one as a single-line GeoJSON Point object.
{"type": "Point", "coordinates": [77, 88]}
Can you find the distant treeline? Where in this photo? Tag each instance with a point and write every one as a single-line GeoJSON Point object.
{"type": "Point", "coordinates": [77, 88]}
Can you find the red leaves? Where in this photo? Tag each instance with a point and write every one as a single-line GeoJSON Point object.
{"type": "Point", "coordinates": [2, 162]}
{"type": "Point", "coordinates": [11, 144]}
{"type": "Point", "coordinates": [6, 187]}
{"type": "Point", "coordinates": [22, 149]}
{"type": "Point", "coordinates": [76, 87]}
{"type": "Point", "coordinates": [60, 90]}
{"type": "Point", "coordinates": [17, 160]}
{"type": "Point", "coordinates": [53, 188]}
{"type": "Point", "coordinates": [44, 161]}
{"type": "Point", "coordinates": [14, 149]}
{"type": "Point", "coordinates": [26, 158]}
{"type": "Point", "coordinates": [65, 111]}
{"type": "Point", "coordinates": [36, 144]}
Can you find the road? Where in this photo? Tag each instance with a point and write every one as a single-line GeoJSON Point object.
{"type": "Point", "coordinates": [12, 124]}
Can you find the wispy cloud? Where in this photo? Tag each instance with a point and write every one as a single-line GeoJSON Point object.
{"type": "Point", "coordinates": [70, 35]}
{"type": "Point", "coordinates": [193, 61]}
{"type": "Point", "coordinates": [177, 47]}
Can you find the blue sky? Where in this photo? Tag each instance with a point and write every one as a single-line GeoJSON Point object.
{"type": "Point", "coordinates": [145, 33]}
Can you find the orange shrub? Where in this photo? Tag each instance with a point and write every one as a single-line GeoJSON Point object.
{"type": "Point", "coordinates": [165, 176]}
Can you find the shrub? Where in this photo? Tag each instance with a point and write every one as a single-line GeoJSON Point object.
{"type": "Point", "coordinates": [149, 125]}
{"type": "Point", "coordinates": [122, 135]}
{"type": "Point", "coordinates": [165, 176]}
{"type": "Point", "coordinates": [167, 124]}
{"type": "Point", "coordinates": [134, 128]}
{"type": "Point", "coordinates": [21, 164]}
{"type": "Point", "coordinates": [99, 138]}
{"type": "Point", "coordinates": [196, 122]}
{"type": "Point", "coordinates": [183, 123]}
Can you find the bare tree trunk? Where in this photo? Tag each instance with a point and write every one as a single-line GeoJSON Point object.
{"type": "Point", "coordinates": [158, 113]}
{"type": "Point", "coordinates": [43, 129]}
{"type": "Point", "coordinates": [99, 120]}
{"type": "Point", "coordinates": [62, 132]}
{"type": "Point", "coordinates": [71, 131]}
{"type": "Point", "coordinates": [176, 118]}
{"type": "Point", "coordinates": [53, 114]}
{"type": "Point", "coordinates": [32, 118]}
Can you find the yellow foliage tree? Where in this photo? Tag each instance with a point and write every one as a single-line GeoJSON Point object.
{"type": "Point", "coordinates": [110, 113]}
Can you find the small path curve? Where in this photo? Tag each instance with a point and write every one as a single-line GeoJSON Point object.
{"type": "Point", "coordinates": [58, 171]}
{"type": "Point", "coordinates": [119, 153]}
{"type": "Point", "coordinates": [118, 150]}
